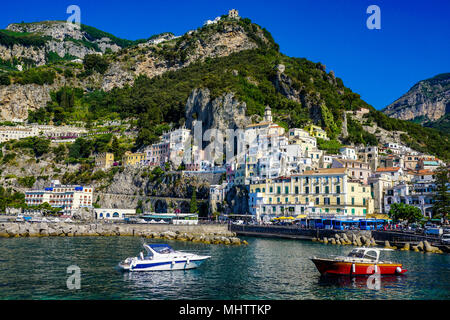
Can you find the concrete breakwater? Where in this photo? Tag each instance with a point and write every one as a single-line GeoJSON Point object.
{"type": "Point", "coordinates": [209, 234]}
{"type": "Point", "coordinates": [359, 238]}
{"type": "Point", "coordinates": [354, 239]}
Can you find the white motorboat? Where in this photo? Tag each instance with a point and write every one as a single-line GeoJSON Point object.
{"type": "Point", "coordinates": [162, 257]}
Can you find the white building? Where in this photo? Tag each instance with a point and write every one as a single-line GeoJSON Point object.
{"type": "Point", "coordinates": [420, 195]}
{"type": "Point", "coordinates": [113, 214]}
{"type": "Point", "coordinates": [265, 142]}
{"type": "Point", "coordinates": [348, 153]}
{"type": "Point", "coordinates": [62, 133]}
{"type": "Point", "coordinates": [68, 197]}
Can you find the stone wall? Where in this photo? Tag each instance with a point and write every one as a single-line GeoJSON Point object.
{"type": "Point", "coordinates": [209, 234]}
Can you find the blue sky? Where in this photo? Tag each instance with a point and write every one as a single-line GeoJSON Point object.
{"type": "Point", "coordinates": [412, 44]}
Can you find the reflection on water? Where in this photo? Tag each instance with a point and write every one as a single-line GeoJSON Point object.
{"type": "Point", "coordinates": [374, 282]}
{"type": "Point", "coordinates": [36, 268]}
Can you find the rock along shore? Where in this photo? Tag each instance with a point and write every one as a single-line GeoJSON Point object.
{"type": "Point", "coordinates": [368, 241]}
{"type": "Point", "coordinates": [209, 234]}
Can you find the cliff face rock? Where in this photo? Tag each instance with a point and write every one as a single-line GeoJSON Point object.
{"type": "Point", "coordinates": [284, 85]}
{"type": "Point", "coordinates": [160, 54]}
{"type": "Point", "coordinates": [224, 112]}
{"type": "Point", "coordinates": [61, 38]}
{"type": "Point", "coordinates": [428, 100]}
{"type": "Point", "coordinates": [237, 200]}
{"type": "Point", "coordinates": [16, 100]}
{"type": "Point", "coordinates": [134, 181]}
{"type": "Point", "coordinates": [143, 59]}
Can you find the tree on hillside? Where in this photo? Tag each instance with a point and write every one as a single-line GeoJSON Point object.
{"type": "Point", "coordinates": [95, 62]}
{"type": "Point", "coordinates": [401, 211]}
{"type": "Point", "coordinates": [441, 205]}
{"type": "Point", "coordinates": [193, 208]}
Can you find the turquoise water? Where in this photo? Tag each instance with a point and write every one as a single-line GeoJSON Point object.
{"type": "Point", "coordinates": [36, 268]}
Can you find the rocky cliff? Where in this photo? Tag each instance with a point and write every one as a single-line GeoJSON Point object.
{"type": "Point", "coordinates": [428, 100]}
{"type": "Point", "coordinates": [64, 39]}
{"type": "Point", "coordinates": [224, 112]}
{"type": "Point", "coordinates": [34, 43]}
{"type": "Point", "coordinates": [153, 59]}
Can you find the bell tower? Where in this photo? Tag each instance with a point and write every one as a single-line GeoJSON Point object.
{"type": "Point", "coordinates": [268, 114]}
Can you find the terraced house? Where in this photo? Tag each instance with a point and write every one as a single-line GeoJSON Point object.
{"type": "Point", "coordinates": [328, 191]}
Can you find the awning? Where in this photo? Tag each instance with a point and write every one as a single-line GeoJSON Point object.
{"type": "Point", "coordinates": [301, 216]}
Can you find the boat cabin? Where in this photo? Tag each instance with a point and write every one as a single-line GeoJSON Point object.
{"type": "Point", "coordinates": [157, 249]}
{"type": "Point", "coordinates": [365, 253]}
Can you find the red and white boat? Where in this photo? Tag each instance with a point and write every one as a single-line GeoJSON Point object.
{"type": "Point", "coordinates": [360, 261]}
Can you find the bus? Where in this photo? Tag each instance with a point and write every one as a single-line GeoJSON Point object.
{"type": "Point", "coordinates": [317, 223]}
{"type": "Point", "coordinates": [345, 224]}
{"type": "Point", "coordinates": [371, 224]}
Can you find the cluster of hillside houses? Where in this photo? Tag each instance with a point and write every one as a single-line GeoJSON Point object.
{"type": "Point", "coordinates": [286, 173]}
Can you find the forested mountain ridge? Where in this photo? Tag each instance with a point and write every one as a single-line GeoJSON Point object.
{"type": "Point", "coordinates": [152, 81]}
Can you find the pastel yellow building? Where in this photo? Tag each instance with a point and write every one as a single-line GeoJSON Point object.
{"type": "Point", "coordinates": [132, 159]}
{"type": "Point", "coordinates": [104, 160]}
{"type": "Point", "coordinates": [317, 192]}
{"type": "Point", "coordinates": [316, 131]}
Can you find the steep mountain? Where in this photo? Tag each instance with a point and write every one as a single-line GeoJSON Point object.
{"type": "Point", "coordinates": [35, 44]}
{"type": "Point", "coordinates": [224, 73]}
{"type": "Point", "coordinates": [426, 102]}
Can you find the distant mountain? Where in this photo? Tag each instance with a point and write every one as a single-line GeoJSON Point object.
{"type": "Point", "coordinates": [425, 103]}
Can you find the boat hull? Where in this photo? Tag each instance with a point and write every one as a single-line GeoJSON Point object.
{"type": "Point", "coordinates": [163, 265]}
{"type": "Point", "coordinates": [326, 266]}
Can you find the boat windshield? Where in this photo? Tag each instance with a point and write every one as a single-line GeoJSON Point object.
{"type": "Point", "coordinates": [356, 253]}
{"type": "Point", "coordinates": [162, 249]}
{"type": "Point", "coordinates": [371, 254]}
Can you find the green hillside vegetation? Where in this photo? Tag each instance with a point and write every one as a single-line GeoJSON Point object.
{"type": "Point", "coordinates": [96, 34]}
{"type": "Point", "coordinates": [442, 124]}
{"type": "Point", "coordinates": [422, 139]}
{"type": "Point", "coordinates": [250, 74]}
{"type": "Point", "coordinates": [9, 38]}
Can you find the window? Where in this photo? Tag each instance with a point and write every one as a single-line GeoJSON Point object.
{"type": "Point", "coordinates": [353, 201]}
{"type": "Point", "coordinates": [317, 200]}
{"type": "Point", "coordinates": [338, 189]}
{"type": "Point", "coordinates": [338, 201]}
{"type": "Point", "coordinates": [327, 189]}
{"type": "Point", "coordinates": [286, 190]}
{"type": "Point", "coordinates": [278, 190]}
{"type": "Point", "coordinates": [296, 190]}
{"type": "Point", "coordinates": [317, 190]}
{"type": "Point", "coordinates": [306, 190]}
{"type": "Point", "coordinates": [353, 189]}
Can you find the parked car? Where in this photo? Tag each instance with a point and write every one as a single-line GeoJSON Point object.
{"type": "Point", "coordinates": [445, 238]}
